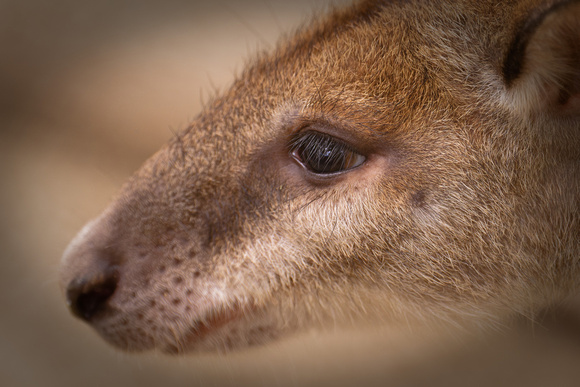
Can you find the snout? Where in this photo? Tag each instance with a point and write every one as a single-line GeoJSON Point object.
{"type": "Point", "coordinates": [139, 296]}
{"type": "Point", "coordinates": [153, 272]}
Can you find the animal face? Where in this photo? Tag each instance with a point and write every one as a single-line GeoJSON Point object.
{"type": "Point", "coordinates": [395, 161]}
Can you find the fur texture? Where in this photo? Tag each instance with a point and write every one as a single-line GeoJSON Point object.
{"type": "Point", "coordinates": [464, 212]}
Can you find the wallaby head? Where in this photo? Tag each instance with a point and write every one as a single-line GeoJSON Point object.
{"type": "Point", "coordinates": [396, 161]}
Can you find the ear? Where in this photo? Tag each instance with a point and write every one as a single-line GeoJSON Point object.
{"type": "Point", "coordinates": [542, 67]}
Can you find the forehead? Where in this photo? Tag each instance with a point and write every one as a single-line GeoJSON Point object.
{"type": "Point", "coordinates": [378, 66]}
{"type": "Point", "coordinates": [364, 63]}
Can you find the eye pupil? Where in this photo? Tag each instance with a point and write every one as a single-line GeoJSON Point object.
{"type": "Point", "coordinates": [323, 154]}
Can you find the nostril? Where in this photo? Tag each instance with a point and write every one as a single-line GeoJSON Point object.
{"type": "Point", "coordinates": [89, 295]}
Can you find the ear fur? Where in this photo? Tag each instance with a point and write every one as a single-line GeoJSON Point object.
{"type": "Point", "coordinates": [542, 67]}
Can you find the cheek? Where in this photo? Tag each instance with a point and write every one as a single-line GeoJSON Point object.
{"type": "Point", "coordinates": [334, 224]}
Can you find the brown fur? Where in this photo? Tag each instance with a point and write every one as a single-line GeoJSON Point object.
{"type": "Point", "coordinates": [464, 212]}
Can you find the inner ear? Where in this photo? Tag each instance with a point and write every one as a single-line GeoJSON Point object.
{"type": "Point", "coordinates": [542, 66]}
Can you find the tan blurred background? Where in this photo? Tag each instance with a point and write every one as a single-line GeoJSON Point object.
{"type": "Point", "coordinates": [89, 89]}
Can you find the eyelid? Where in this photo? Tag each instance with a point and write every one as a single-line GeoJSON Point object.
{"type": "Point", "coordinates": [339, 156]}
{"type": "Point", "coordinates": [307, 135]}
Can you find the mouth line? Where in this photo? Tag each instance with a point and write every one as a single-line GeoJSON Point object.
{"type": "Point", "coordinates": [203, 327]}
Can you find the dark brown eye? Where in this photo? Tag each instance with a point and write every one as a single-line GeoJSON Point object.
{"type": "Point", "coordinates": [324, 154]}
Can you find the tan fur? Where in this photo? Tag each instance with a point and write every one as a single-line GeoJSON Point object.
{"type": "Point", "coordinates": [465, 211]}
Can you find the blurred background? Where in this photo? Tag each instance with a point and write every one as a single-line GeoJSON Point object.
{"type": "Point", "coordinates": [88, 90]}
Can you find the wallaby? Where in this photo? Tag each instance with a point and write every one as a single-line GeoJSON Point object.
{"type": "Point", "coordinates": [395, 161]}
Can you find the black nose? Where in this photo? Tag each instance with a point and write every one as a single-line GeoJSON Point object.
{"type": "Point", "coordinates": [89, 295]}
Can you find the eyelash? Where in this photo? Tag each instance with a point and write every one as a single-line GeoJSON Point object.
{"type": "Point", "coordinates": [323, 154]}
